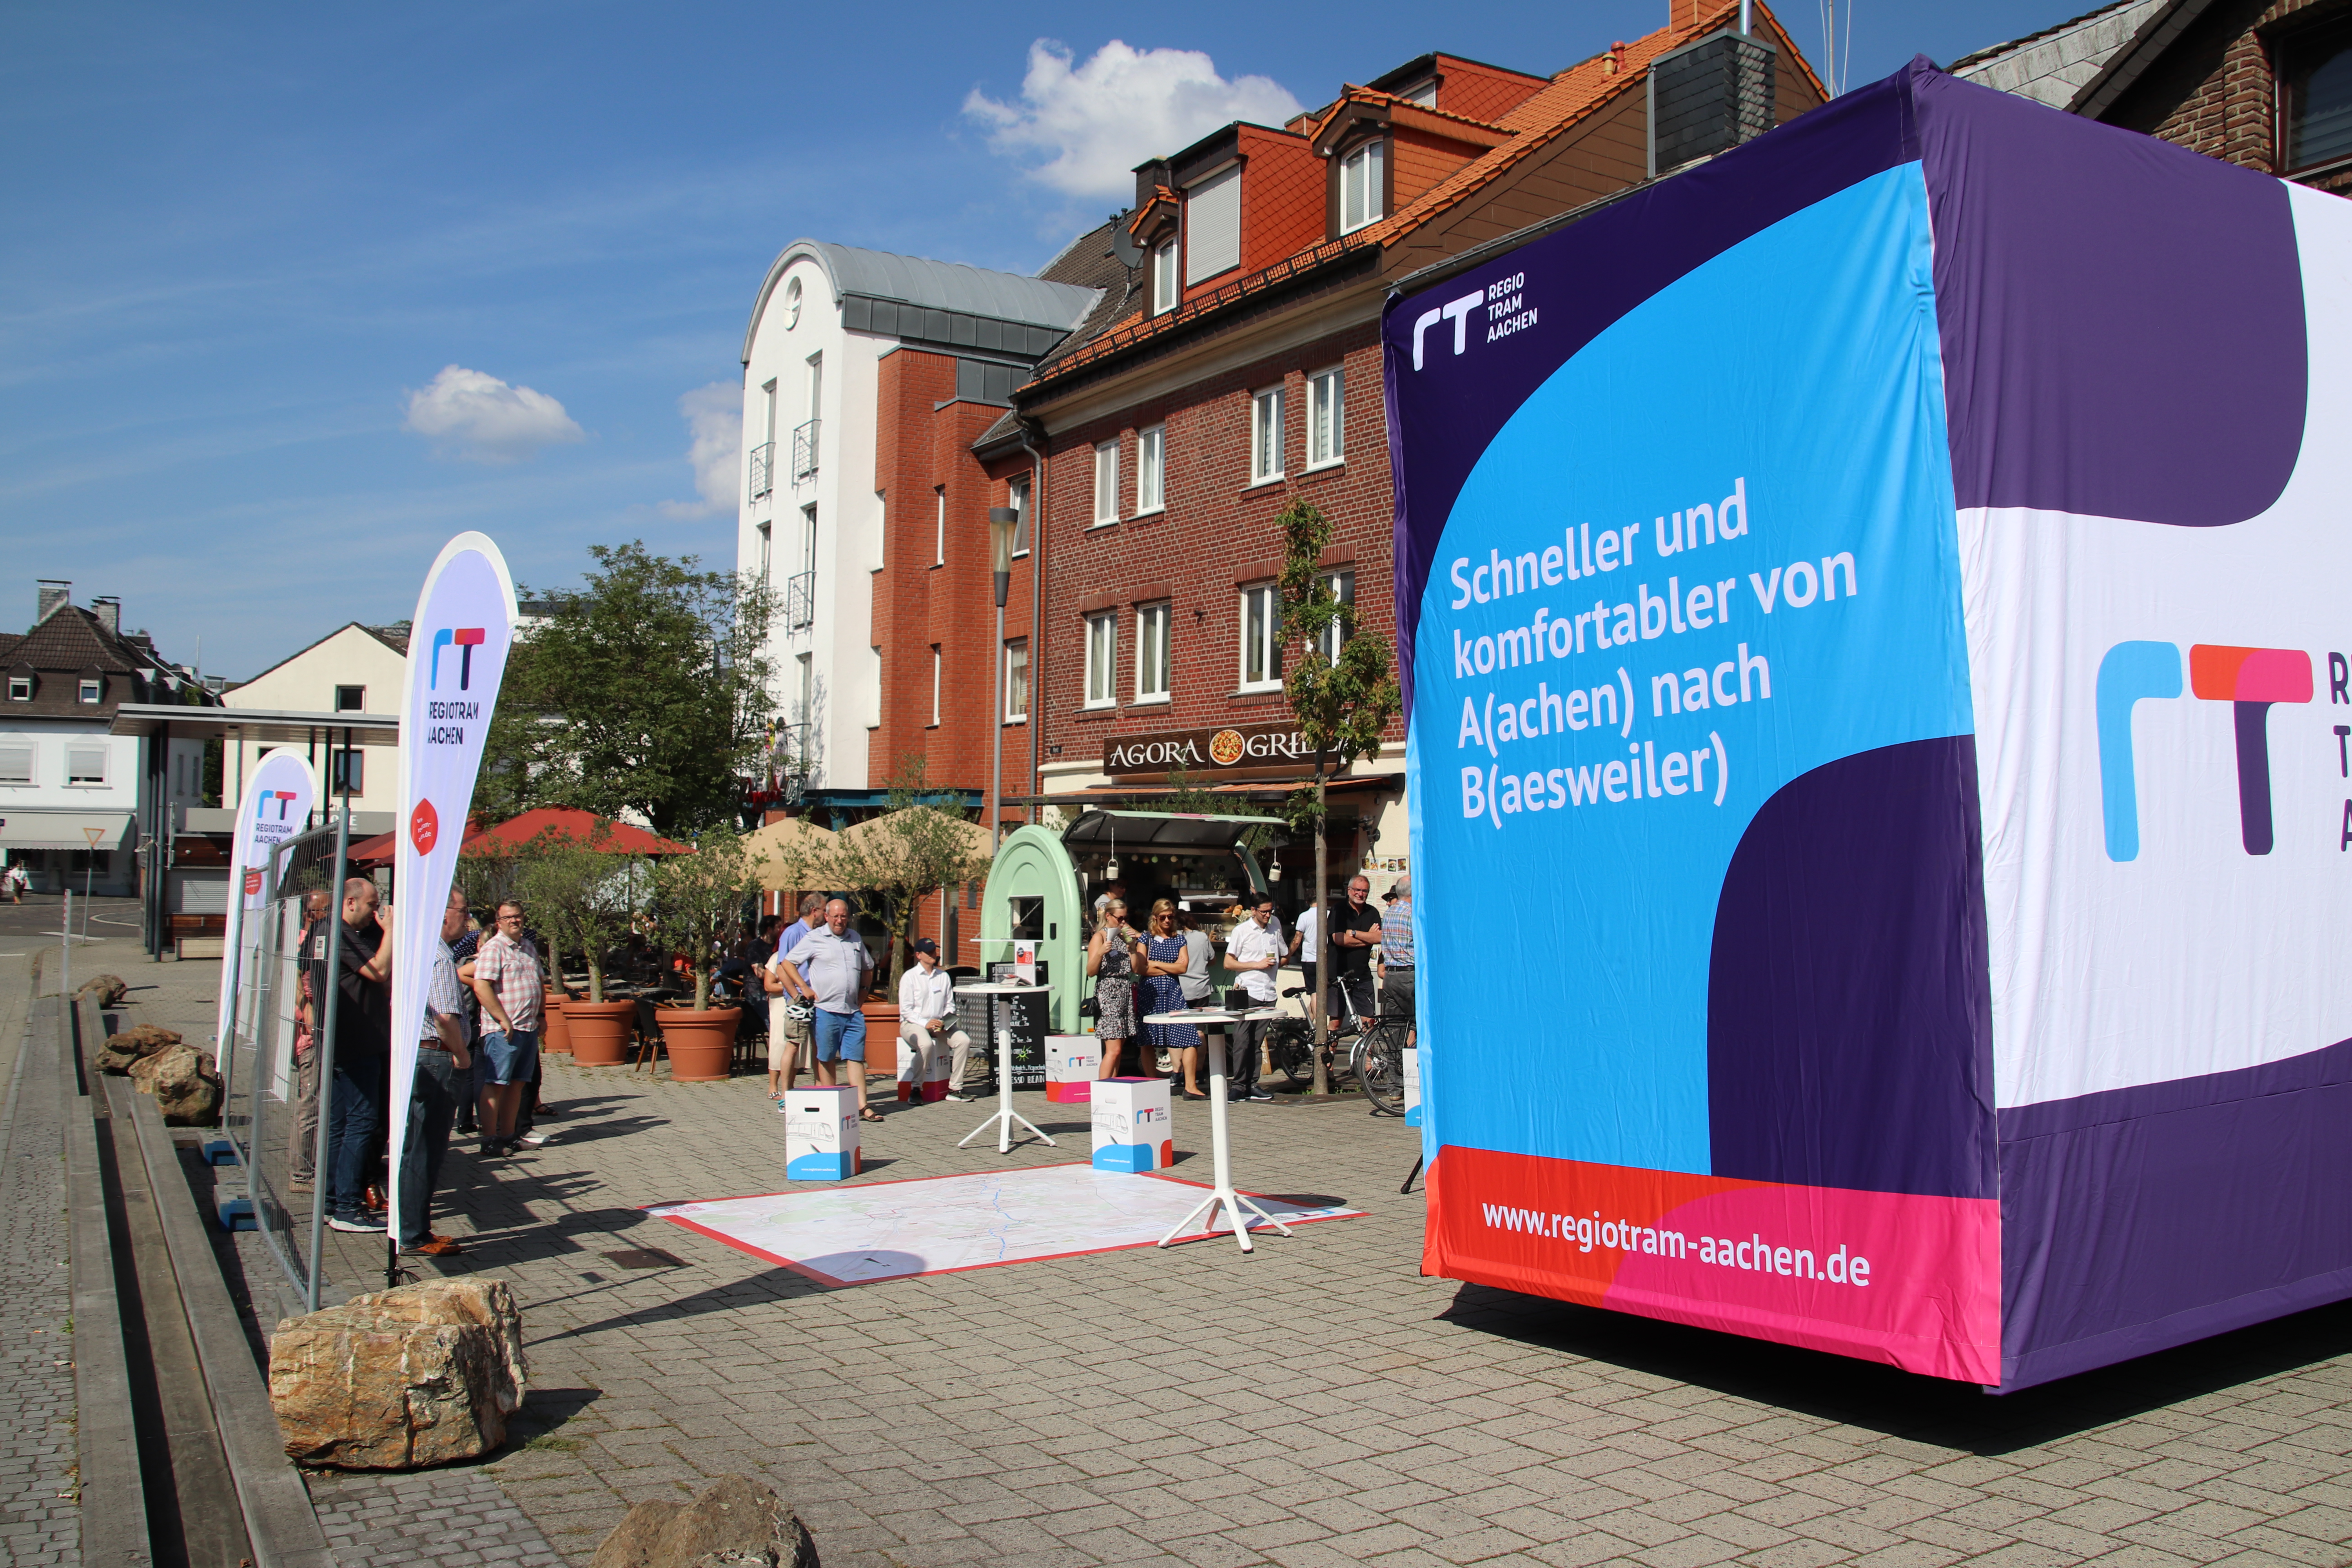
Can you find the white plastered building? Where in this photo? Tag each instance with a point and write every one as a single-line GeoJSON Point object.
{"type": "Point", "coordinates": [810, 522]}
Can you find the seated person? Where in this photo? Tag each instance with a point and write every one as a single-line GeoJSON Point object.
{"type": "Point", "coordinates": [926, 1011]}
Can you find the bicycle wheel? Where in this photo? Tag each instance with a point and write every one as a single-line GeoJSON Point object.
{"type": "Point", "coordinates": [1380, 1068]}
{"type": "Point", "coordinates": [1294, 1051]}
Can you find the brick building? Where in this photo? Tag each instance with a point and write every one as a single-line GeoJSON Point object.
{"type": "Point", "coordinates": [866, 376]}
{"type": "Point", "coordinates": [2263, 83]}
{"type": "Point", "coordinates": [1233, 365]}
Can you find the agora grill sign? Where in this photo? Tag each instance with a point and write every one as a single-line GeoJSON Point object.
{"type": "Point", "coordinates": [1231, 751]}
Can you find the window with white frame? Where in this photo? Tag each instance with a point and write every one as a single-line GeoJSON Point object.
{"type": "Point", "coordinates": [1016, 496]}
{"type": "Point", "coordinates": [350, 699]}
{"type": "Point", "coordinates": [1362, 186]}
{"type": "Point", "coordinates": [16, 764]}
{"type": "Point", "coordinates": [1016, 681]}
{"type": "Point", "coordinates": [1102, 659]}
{"type": "Point", "coordinates": [86, 765]}
{"type": "Point", "coordinates": [940, 530]}
{"type": "Point", "coordinates": [1150, 469]}
{"type": "Point", "coordinates": [1342, 585]}
{"type": "Point", "coordinates": [1164, 295]}
{"type": "Point", "coordinates": [1326, 418]}
{"type": "Point", "coordinates": [767, 547]}
{"type": "Point", "coordinates": [92, 690]}
{"type": "Point", "coordinates": [1152, 653]}
{"type": "Point", "coordinates": [934, 686]}
{"type": "Point", "coordinates": [1107, 482]}
{"type": "Point", "coordinates": [20, 688]}
{"type": "Point", "coordinates": [1266, 435]}
{"type": "Point", "coordinates": [1261, 626]}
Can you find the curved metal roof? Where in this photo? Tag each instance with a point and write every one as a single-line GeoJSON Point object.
{"type": "Point", "coordinates": [936, 285]}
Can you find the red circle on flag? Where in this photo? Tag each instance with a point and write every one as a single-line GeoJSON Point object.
{"type": "Point", "coordinates": [424, 826]}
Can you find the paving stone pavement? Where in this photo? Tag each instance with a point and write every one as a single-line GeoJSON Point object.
{"type": "Point", "coordinates": [1317, 1403]}
{"type": "Point", "coordinates": [40, 1514]}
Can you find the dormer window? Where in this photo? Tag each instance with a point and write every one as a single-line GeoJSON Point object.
{"type": "Point", "coordinates": [1212, 226]}
{"type": "Point", "coordinates": [1425, 95]}
{"type": "Point", "coordinates": [1164, 292]}
{"type": "Point", "coordinates": [93, 689]}
{"type": "Point", "coordinates": [1363, 187]}
{"type": "Point", "coordinates": [20, 688]}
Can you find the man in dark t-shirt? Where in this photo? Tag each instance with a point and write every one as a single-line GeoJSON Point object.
{"type": "Point", "coordinates": [362, 1050]}
{"type": "Point", "coordinates": [1355, 932]}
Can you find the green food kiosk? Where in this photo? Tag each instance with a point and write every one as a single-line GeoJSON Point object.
{"type": "Point", "coordinates": [1043, 885]}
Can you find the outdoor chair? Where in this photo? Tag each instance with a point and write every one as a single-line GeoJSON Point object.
{"type": "Point", "coordinates": [650, 1043]}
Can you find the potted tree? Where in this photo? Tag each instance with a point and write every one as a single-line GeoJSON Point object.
{"type": "Point", "coordinates": [579, 897]}
{"type": "Point", "coordinates": [700, 898]}
{"type": "Point", "coordinates": [920, 845]}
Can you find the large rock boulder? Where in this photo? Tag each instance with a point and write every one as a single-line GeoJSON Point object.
{"type": "Point", "coordinates": [400, 1378]}
{"type": "Point", "coordinates": [185, 1083]}
{"type": "Point", "coordinates": [109, 990]}
{"type": "Point", "coordinates": [735, 1523]}
{"type": "Point", "coordinates": [132, 1045]}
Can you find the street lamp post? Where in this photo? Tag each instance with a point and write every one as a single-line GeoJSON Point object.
{"type": "Point", "coordinates": [1001, 521]}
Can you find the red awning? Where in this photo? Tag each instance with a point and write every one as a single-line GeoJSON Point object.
{"type": "Point", "coordinates": [580, 827]}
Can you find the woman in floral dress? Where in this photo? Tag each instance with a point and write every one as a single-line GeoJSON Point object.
{"type": "Point", "coordinates": [1109, 961]}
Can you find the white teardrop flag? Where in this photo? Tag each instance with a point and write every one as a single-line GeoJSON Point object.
{"type": "Point", "coordinates": [277, 806]}
{"type": "Point", "coordinates": [456, 657]}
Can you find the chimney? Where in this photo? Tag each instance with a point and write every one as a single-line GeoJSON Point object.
{"type": "Point", "coordinates": [108, 608]}
{"type": "Point", "coordinates": [52, 592]}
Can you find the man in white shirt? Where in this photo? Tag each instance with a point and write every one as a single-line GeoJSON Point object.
{"type": "Point", "coordinates": [1253, 952]}
{"type": "Point", "coordinates": [927, 1026]}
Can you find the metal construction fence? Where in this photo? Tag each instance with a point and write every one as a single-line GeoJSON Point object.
{"type": "Point", "coordinates": [272, 1101]}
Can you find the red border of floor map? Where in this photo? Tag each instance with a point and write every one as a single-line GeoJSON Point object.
{"type": "Point", "coordinates": [832, 1282]}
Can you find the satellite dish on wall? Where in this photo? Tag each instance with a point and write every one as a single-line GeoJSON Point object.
{"type": "Point", "coordinates": [1122, 244]}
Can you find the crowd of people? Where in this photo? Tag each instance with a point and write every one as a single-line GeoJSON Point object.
{"type": "Point", "coordinates": [1167, 968]}
{"type": "Point", "coordinates": [478, 1066]}
{"type": "Point", "coordinates": [479, 1058]}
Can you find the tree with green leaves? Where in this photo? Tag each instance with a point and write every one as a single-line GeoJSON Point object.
{"type": "Point", "coordinates": [1341, 704]}
{"type": "Point", "coordinates": [579, 895]}
{"type": "Point", "coordinates": [700, 900]}
{"type": "Point", "coordinates": [647, 691]}
{"type": "Point", "coordinates": [922, 843]}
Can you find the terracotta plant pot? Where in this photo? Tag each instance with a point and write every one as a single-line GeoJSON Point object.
{"type": "Point", "coordinates": [881, 1037]}
{"type": "Point", "coordinates": [701, 1044]}
{"type": "Point", "coordinates": [556, 1033]}
{"type": "Point", "coordinates": [600, 1031]}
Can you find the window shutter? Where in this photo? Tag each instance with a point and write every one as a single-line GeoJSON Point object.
{"type": "Point", "coordinates": [1213, 222]}
{"type": "Point", "coordinates": [86, 765]}
{"type": "Point", "coordinates": [16, 764]}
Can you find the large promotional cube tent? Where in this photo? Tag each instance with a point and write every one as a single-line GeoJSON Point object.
{"type": "Point", "coordinates": [1874, 611]}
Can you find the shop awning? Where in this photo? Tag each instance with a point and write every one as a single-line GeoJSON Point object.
{"type": "Point", "coordinates": [38, 829]}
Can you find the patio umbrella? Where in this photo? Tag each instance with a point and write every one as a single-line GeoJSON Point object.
{"type": "Point", "coordinates": [580, 827]}
{"type": "Point", "coordinates": [773, 848]}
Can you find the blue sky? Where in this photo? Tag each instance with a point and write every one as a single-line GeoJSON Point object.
{"type": "Point", "coordinates": [244, 245]}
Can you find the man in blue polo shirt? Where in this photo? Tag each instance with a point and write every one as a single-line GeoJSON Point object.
{"type": "Point", "coordinates": [833, 964]}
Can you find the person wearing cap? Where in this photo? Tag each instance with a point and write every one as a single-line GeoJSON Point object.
{"type": "Point", "coordinates": [1396, 954]}
{"type": "Point", "coordinates": [926, 1024]}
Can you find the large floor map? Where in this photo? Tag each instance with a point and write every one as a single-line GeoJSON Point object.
{"type": "Point", "coordinates": [937, 1224]}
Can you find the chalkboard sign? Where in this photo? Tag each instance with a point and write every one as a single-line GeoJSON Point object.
{"type": "Point", "coordinates": [1027, 1016]}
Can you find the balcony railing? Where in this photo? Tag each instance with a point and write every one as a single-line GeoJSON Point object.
{"type": "Point", "coordinates": [800, 600]}
{"type": "Point", "coordinates": [763, 470]}
{"type": "Point", "coordinates": [805, 452]}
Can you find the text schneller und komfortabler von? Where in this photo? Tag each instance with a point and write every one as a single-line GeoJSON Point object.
{"type": "Point", "coordinates": [1510, 714]}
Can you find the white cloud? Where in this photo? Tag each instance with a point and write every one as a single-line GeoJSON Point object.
{"type": "Point", "coordinates": [714, 417]}
{"type": "Point", "coordinates": [470, 414]}
{"type": "Point", "coordinates": [1095, 122]}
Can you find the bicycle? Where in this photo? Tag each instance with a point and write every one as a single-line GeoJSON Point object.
{"type": "Point", "coordinates": [1290, 1045]}
{"type": "Point", "coordinates": [1378, 1060]}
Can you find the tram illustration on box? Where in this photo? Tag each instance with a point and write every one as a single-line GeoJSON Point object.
{"type": "Point", "coordinates": [1878, 729]}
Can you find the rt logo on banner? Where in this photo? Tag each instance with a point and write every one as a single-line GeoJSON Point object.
{"type": "Point", "coordinates": [2250, 679]}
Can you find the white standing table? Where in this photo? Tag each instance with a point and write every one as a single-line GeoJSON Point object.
{"type": "Point", "coordinates": [1003, 1116]}
{"type": "Point", "coordinates": [1220, 1149]}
